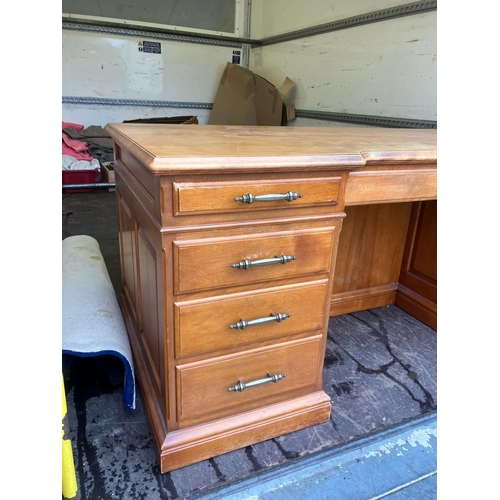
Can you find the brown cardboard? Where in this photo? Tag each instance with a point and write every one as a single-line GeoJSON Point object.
{"type": "Point", "coordinates": [108, 171]}
{"type": "Point", "coordinates": [244, 98]}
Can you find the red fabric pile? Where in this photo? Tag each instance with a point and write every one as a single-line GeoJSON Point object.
{"type": "Point", "coordinates": [73, 147]}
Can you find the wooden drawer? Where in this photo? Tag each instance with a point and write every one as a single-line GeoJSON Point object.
{"type": "Point", "coordinates": [207, 264]}
{"type": "Point", "coordinates": [190, 198]}
{"type": "Point", "coordinates": [202, 388]}
{"type": "Point", "coordinates": [205, 325]}
{"type": "Point", "coordinates": [367, 187]}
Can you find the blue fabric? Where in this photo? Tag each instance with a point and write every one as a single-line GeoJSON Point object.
{"type": "Point", "coordinates": [128, 396]}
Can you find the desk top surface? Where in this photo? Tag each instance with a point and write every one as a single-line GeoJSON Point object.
{"type": "Point", "coordinates": [166, 149]}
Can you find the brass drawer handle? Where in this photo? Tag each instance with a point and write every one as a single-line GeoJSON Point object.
{"type": "Point", "coordinates": [240, 386]}
{"type": "Point", "coordinates": [250, 198]}
{"type": "Point", "coordinates": [242, 324]}
{"type": "Point", "coordinates": [246, 264]}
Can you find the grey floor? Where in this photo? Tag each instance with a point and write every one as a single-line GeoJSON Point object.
{"type": "Point", "coordinates": [380, 372]}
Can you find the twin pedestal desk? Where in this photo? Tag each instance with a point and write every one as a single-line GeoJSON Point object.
{"type": "Point", "coordinates": [238, 243]}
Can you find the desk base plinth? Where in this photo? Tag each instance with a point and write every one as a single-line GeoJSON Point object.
{"type": "Point", "coordinates": [194, 444]}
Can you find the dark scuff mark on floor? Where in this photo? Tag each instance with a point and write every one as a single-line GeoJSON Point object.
{"type": "Point", "coordinates": [250, 455]}
{"type": "Point", "coordinates": [343, 388]}
{"type": "Point", "coordinates": [289, 455]}
{"type": "Point", "coordinates": [168, 491]}
{"type": "Point", "coordinates": [216, 469]}
{"type": "Point", "coordinates": [332, 356]}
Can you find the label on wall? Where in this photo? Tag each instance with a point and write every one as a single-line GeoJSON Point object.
{"type": "Point", "coordinates": [236, 57]}
{"type": "Point", "coordinates": [150, 47]}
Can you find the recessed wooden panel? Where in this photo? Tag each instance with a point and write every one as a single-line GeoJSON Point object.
{"type": "Point", "coordinates": [424, 255]}
{"type": "Point", "coordinates": [417, 293]}
{"type": "Point", "coordinates": [203, 387]}
{"type": "Point", "coordinates": [207, 264]}
{"type": "Point", "coordinates": [149, 303]}
{"type": "Point", "coordinates": [204, 325]}
{"type": "Point", "coordinates": [128, 253]}
{"type": "Point", "coordinates": [371, 246]}
{"type": "Point", "coordinates": [217, 197]}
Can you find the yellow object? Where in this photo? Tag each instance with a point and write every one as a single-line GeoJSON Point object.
{"type": "Point", "coordinates": [69, 487]}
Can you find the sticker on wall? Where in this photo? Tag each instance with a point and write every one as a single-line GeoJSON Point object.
{"type": "Point", "coordinates": [150, 47]}
{"type": "Point", "coordinates": [236, 57]}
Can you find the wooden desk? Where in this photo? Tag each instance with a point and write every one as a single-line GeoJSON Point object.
{"type": "Point", "coordinates": [232, 262]}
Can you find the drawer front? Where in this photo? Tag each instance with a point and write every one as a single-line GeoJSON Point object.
{"type": "Point", "coordinates": [203, 388]}
{"type": "Point", "coordinates": [207, 325]}
{"type": "Point", "coordinates": [190, 198]}
{"type": "Point", "coordinates": [208, 264]}
{"type": "Point", "coordinates": [386, 186]}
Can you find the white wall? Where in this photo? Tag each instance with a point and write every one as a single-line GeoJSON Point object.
{"type": "Point", "coordinates": [274, 17]}
{"type": "Point", "coordinates": [98, 65]}
{"type": "Point", "coordinates": [111, 66]}
{"type": "Point", "coordinates": [386, 68]}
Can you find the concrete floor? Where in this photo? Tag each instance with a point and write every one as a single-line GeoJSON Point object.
{"type": "Point", "coordinates": [380, 371]}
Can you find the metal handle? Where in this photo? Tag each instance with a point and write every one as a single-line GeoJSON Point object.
{"type": "Point", "coordinates": [240, 386]}
{"type": "Point", "coordinates": [246, 264]}
{"type": "Point", "coordinates": [242, 324]}
{"type": "Point", "coordinates": [250, 198]}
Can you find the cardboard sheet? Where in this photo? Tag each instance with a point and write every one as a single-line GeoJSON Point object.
{"type": "Point", "coordinates": [244, 98]}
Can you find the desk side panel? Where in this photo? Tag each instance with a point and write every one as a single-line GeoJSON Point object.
{"type": "Point", "coordinates": [369, 257]}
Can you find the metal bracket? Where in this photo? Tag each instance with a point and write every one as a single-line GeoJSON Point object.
{"type": "Point", "coordinates": [103, 101]}
{"type": "Point", "coordinates": [374, 121]}
{"type": "Point", "coordinates": [109, 28]}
